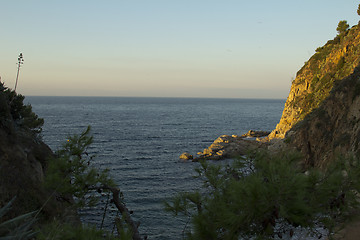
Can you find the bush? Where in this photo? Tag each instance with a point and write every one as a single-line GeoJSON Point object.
{"type": "Point", "coordinates": [265, 195]}
{"type": "Point", "coordinates": [13, 112]}
{"type": "Point", "coordinates": [342, 27]}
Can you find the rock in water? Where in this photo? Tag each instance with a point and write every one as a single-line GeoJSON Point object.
{"type": "Point", "coordinates": [186, 156]}
{"type": "Point", "coordinates": [227, 146]}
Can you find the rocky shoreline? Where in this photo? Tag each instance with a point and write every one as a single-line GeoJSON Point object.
{"type": "Point", "coordinates": [227, 146]}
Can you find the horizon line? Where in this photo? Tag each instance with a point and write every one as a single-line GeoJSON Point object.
{"type": "Point", "coordinates": [89, 96]}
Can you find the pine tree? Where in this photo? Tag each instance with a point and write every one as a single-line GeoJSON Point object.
{"type": "Point", "coordinates": [265, 195]}
{"type": "Point", "coordinates": [342, 27]}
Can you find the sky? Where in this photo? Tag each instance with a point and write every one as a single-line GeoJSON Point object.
{"type": "Point", "coordinates": [164, 48]}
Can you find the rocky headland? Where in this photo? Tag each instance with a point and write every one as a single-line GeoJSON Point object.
{"type": "Point", "coordinates": [321, 116]}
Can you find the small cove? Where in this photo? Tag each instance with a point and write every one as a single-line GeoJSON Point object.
{"type": "Point", "coordinates": [140, 140]}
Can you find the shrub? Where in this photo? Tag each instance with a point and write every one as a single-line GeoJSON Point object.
{"type": "Point", "coordinates": [342, 27]}
{"type": "Point", "coordinates": [14, 112]}
{"type": "Point", "coordinates": [263, 196]}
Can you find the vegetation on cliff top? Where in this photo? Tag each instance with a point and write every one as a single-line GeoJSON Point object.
{"type": "Point", "coordinates": [330, 64]}
{"type": "Point", "coordinates": [321, 116]}
{"type": "Point", "coordinates": [15, 114]}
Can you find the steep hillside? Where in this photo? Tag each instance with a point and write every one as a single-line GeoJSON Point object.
{"type": "Point", "coordinates": [23, 158]}
{"type": "Point", "coordinates": [333, 128]}
{"type": "Point", "coordinates": [330, 64]}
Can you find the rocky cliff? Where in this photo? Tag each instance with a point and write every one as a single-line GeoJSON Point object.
{"type": "Point", "coordinates": [321, 117]}
{"type": "Point", "coordinates": [22, 162]}
{"type": "Point", "coordinates": [330, 64]}
{"type": "Point", "coordinates": [23, 158]}
{"type": "Point", "coordinates": [333, 128]}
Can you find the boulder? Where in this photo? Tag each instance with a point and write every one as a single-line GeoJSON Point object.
{"type": "Point", "coordinates": [186, 156]}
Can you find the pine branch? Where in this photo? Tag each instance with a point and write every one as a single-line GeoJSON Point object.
{"type": "Point", "coordinates": [124, 211]}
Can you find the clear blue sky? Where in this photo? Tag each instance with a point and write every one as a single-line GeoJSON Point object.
{"type": "Point", "coordinates": [164, 48]}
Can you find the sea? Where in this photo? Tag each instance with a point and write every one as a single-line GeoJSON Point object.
{"type": "Point", "coordinates": [140, 140]}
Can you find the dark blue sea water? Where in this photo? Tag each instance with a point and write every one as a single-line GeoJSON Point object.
{"type": "Point", "coordinates": [140, 140]}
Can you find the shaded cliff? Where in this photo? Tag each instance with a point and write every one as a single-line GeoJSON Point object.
{"type": "Point", "coordinates": [23, 158]}
{"type": "Point", "coordinates": [330, 64]}
{"type": "Point", "coordinates": [333, 128]}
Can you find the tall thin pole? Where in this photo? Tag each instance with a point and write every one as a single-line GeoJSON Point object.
{"type": "Point", "coordinates": [19, 63]}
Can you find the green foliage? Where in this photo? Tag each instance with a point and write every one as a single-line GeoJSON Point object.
{"type": "Point", "coordinates": [321, 82]}
{"type": "Point", "coordinates": [267, 195]}
{"type": "Point", "coordinates": [321, 53]}
{"type": "Point", "coordinates": [325, 69]}
{"type": "Point", "coordinates": [71, 173]}
{"type": "Point", "coordinates": [358, 10]}
{"type": "Point", "coordinates": [334, 41]}
{"type": "Point", "coordinates": [71, 176]}
{"type": "Point", "coordinates": [18, 227]}
{"type": "Point", "coordinates": [342, 27]}
{"type": "Point", "coordinates": [60, 231]}
{"type": "Point", "coordinates": [14, 112]}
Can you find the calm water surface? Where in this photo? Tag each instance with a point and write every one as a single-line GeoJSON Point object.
{"type": "Point", "coordinates": [140, 140]}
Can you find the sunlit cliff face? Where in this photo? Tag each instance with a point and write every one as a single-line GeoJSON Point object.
{"type": "Point", "coordinates": [330, 64]}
